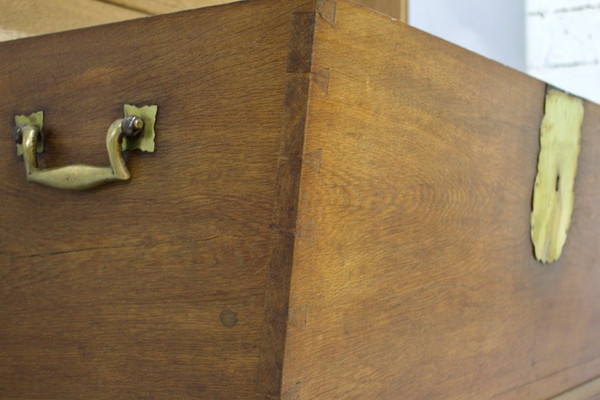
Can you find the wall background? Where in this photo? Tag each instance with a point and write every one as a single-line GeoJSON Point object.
{"type": "Point", "coordinates": [557, 41]}
{"type": "Point", "coordinates": [563, 44]}
{"type": "Point", "coordinates": [493, 28]}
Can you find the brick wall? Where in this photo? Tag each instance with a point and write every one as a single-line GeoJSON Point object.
{"type": "Point", "coordinates": [563, 44]}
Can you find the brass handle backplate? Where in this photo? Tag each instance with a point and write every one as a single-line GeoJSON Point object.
{"type": "Point", "coordinates": [134, 131]}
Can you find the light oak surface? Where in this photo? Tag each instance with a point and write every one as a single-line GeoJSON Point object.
{"type": "Point", "coordinates": [24, 18]}
{"type": "Point", "coordinates": [395, 8]}
{"type": "Point", "coordinates": [167, 6]}
{"type": "Point", "coordinates": [587, 391]}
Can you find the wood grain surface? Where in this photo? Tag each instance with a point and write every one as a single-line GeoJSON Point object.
{"type": "Point", "coordinates": [394, 8]}
{"type": "Point", "coordinates": [166, 6]}
{"type": "Point", "coordinates": [589, 391]}
{"type": "Point", "coordinates": [414, 275]}
{"type": "Point", "coordinates": [160, 287]}
{"type": "Point", "coordinates": [23, 18]}
{"type": "Point", "coordinates": [397, 9]}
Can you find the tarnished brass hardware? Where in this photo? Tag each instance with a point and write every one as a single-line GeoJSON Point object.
{"type": "Point", "coordinates": [78, 177]}
{"type": "Point", "coordinates": [145, 140]}
{"type": "Point", "coordinates": [553, 193]}
{"type": "Point", "coordinates": [36, 119]}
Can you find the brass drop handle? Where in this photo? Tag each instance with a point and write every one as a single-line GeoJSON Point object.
{"type": "Point", "coordinates": [78, 176]}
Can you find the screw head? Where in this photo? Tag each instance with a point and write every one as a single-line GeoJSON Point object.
{"type": "Point", "coordinates": [132, 126]}
{"type": "Point", "coordinates": [17, 134]}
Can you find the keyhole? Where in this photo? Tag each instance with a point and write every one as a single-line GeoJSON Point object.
{"type": "Point", "coordinates": [557, 182]}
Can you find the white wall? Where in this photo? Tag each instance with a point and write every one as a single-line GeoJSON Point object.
{"type": "Point", "coordinates": [493, 28]}
{"type": "Point", "coordinates": [557, 41]}
{"type": "Point", "coordinates": [563, 44]}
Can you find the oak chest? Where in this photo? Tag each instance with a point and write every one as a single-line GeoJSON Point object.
{"type": "Point", "coordinates": [337, 207]}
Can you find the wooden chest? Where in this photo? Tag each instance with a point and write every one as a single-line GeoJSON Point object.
{"type": "Point", "coordinates": [337, 208]}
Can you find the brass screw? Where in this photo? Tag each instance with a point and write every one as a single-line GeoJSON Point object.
{"type": "Point", "coordinates": [132, 126]}
{"type": "Point", "coordinates": [17, 134]}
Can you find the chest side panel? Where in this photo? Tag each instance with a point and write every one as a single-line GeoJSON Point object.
{"type": "Point", "coordinates": [152, 288]}
{"type": "Point", "coordinates": [414, 273]}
